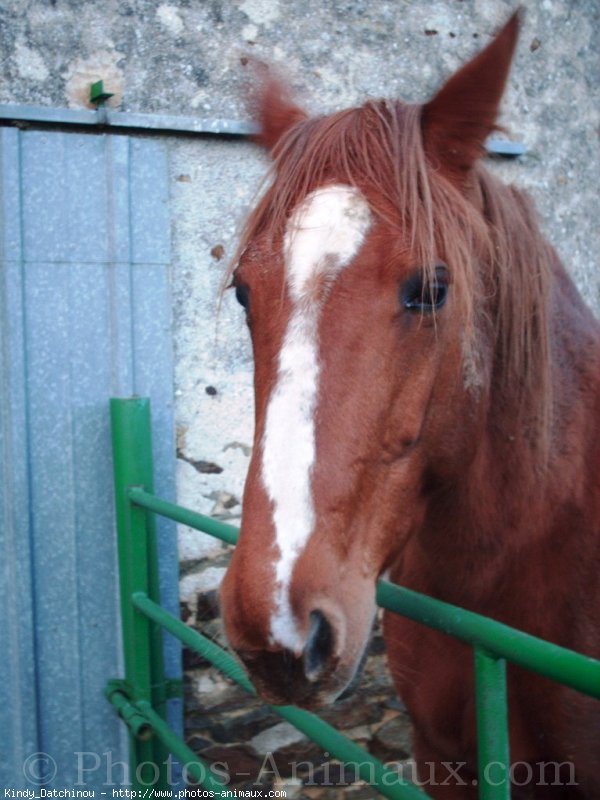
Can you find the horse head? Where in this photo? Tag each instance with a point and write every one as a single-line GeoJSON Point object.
{"type": "Point", "coordinates": [372, 348]}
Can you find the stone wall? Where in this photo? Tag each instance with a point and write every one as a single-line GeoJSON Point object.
{"type": "Point", "coordinates": [187, 57]}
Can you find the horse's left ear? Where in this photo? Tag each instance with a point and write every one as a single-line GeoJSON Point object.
{"type": "Point", "coordinates": [458, 120]}
{"type": "Point", "coordinates": [272, 107]}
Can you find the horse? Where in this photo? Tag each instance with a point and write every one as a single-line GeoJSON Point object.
{"type": "Point", "coordinates": [427, 406]}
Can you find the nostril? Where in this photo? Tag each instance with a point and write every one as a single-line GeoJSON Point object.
{"type": "Point", "coordinates": [319, 645]}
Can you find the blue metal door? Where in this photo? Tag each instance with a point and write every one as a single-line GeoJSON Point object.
{"type": "Point", "coordinates": [84, 315]}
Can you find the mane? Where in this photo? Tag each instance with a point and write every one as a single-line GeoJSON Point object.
{"type": "Point", "coordinates": [490, 238]}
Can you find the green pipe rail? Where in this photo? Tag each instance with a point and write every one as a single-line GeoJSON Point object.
{"type": "Point", "coordinates": [140, 697]}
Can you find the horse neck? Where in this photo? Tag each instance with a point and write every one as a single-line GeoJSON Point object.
{"type": "Point", "coordinates": [506, 501]}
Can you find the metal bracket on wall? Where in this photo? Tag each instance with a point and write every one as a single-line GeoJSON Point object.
{"type": "Point", "coordinates": [127, 122]}
{"type": "Point", "coordinates": [502, 147]}
{"type": "Point", "coordinates": [98, 97]}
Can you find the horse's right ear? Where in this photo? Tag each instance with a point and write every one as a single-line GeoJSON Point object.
{"type": "Point", "coordinates": [274, 110]}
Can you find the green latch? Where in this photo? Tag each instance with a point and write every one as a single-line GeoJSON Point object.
{"type": "Point", "coordinates": [119, 694]}
{"type": "Point", "coordinates": [98, 95]}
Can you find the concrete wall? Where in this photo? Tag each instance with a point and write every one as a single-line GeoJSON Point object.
{"type": "Point", "coordinates": [186, 57]}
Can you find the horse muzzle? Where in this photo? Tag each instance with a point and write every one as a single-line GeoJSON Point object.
{"type": "Point", "coordinates": [312, 678]}
{"type": "Point", "coordinates": [303, 646]}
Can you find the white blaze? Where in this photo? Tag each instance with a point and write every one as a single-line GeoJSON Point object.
{"type": "Point", "coordinates": [323, 235]}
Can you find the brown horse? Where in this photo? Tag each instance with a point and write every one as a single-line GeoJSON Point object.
{"type": "Point", "coordinates": [427, 407]}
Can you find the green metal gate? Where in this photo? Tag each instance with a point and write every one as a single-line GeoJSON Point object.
{"type": "Point", "coordinates": [140, 697]}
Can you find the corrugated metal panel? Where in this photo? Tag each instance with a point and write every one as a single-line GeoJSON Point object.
{"type": "Point", "coordinates": [85, 315]}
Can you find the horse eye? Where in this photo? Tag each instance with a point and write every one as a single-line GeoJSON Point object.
{"type": "Point", "coordinates": [424, 294]}
{"type": "Point", "coordinates": [242, 295]}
